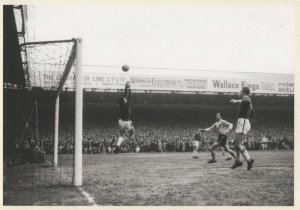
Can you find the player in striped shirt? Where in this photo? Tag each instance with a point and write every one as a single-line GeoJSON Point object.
{"type": "Point", "coordinates": [222, 127]}
{"type": "Point", "coordinates": [245, 111]}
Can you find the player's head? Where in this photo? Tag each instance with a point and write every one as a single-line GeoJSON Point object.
{"type": "Point", "coordinates": [219, 115]}
{"type": "Point", "coordinates": [245, 91]}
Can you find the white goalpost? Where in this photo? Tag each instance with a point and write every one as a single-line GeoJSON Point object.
{"type": "Point", "coordinates": [75, 56]}
{"type": "Point", "coordinates": [78, 116]}
{"type": "Point", "coordinates": [56, 66]}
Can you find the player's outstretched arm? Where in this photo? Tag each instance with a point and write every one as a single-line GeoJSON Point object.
{"type": "Point", "coordinates": [208, 129]}
{"type": "Point", "coordinates": [234, 101]}
{"type": "Point", "coordinates": [127, 92]}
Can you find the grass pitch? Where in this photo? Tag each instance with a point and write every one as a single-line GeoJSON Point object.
{"type": "Point", "coordinates": [171, 179]}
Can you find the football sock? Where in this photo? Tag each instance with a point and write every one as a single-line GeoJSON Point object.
{"type": "Point", "coordinates": [213, 154]}
{"type": "Point", "coordinates": [245, 154]}
{"type": "Point", "coordinates": [232, 154]}
{"type": "Point", "coordinates": [195, 153]}
{"type": "Point", "coordinates": [238, 156]}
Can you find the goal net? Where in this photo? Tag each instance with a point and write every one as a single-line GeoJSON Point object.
{"type": "Point", "coordinates": [49, 144]}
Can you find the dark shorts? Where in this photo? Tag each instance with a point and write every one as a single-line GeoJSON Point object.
{"type": "Point", "coordinates": [222, 140]}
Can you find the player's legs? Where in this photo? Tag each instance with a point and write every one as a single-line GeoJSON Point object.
{"type": "Point", "coordinates": [212, 152]}
{"type": "Point", "coordinates": [223, 151]}
{"type": "Point", "coordinates": [237, 139]}
{"type": "Point", "coordinates": [242, 128]}
{"type": "Point", "coordinates": [121, 137]}
{"type": "Point", "coordinates": [227, 149]}
{"type": "Point", "coordinates": [223, 142]}
{"type": "Point", "coordinates": [195, 152]}
{"type": "Point", "coordinates": [120, 140]}
{"type": "Point", "coordinates": [131, 133]}
{"type": "Point", "coordinates": [240, 149]}
{"type": "Point", "coordinates": [124, 127]}
{"type": "Point", "coordinates": [196, 148]}
{"type": "Point", "coordinates": [131, 130]}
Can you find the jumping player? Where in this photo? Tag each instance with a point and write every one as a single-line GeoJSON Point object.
{"type": "Point", "coordinates": [125, 124]}
{"type": "Point", "coordinates": [245, 111]}
{"type": "Point", "coordinates": [222, 127]}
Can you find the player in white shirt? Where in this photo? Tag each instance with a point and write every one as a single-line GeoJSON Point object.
{"type": "Point", "coordinates": [222, 127]}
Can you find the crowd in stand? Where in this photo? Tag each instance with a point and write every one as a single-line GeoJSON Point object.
{"type": "Point", "coordinates": [163, 122]}
{"type": "Point", "coordinates": [170, 129]}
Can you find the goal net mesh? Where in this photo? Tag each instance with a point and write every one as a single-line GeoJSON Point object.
{"type": "Point", "coordinates": [46, 63]}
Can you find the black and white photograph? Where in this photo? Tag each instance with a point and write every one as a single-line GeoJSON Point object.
{"type": "Point", "coordinates": [149, 103]}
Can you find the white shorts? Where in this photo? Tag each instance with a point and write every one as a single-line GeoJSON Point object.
{"type": "Point", "coordinates": [125, 125]}
{"type": "Point", "coordinates": [196, 143]}
{"type": "Point", "coordinates": [243, 126]}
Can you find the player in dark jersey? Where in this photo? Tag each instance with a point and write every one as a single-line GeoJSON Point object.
{"type": "Point", "coordinates": [196, 143]}
{"type": "Point", "coordinates": [245, 111]}
{"type": "Point", "coordinates": [125, 124]}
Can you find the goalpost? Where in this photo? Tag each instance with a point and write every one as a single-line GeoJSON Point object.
{"type": "Point", "coordinates": [58, 59]}
{"type": "Point", "coordinates": [78, 117]}
{"type": "Point", "coordinates": [76, 55]}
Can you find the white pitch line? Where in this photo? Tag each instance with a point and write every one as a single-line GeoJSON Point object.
{"type": "Point", "coordinates": [84, 193]}
{"type": "Point", "coordinates": [88, 197]}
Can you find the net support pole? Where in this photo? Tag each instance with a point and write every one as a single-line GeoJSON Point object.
{"type": "Point", "coordinates": [56, 126]}
{"type": "Point", "coordinates": [78, 116]}
{"type": "Point", "coordinates": [36, 121]}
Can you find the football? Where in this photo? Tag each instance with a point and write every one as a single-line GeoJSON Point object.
{"type": "Point", "coordinates": [125, 68]}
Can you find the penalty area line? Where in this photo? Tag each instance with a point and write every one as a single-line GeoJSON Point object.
{"type": "Point", "coordinates": [87, 196]}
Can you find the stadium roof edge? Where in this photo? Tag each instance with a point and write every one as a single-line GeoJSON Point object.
{"type": "Point", "coordinates": [187, 69]}
{"type": "Point", "coordinates": [146, 71]}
